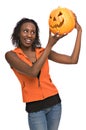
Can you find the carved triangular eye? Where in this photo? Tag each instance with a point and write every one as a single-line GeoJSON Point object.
{"type": "Point", "coordinates": [60, 13]}
{"type": "Point", "coordinates": [54, 19]}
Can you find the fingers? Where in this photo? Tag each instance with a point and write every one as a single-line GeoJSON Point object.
{"type": "Point", "coordinates": [61, 35]}
{"type": "Point", "coordinates": [56, 35]}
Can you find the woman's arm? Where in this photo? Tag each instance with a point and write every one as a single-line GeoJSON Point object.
{"type": "Point", "coordinates": [23, 67]}
{"type": "Point", "coordinates": [73, 59]}
{"type": "Point", "coordinates": [33, 71]}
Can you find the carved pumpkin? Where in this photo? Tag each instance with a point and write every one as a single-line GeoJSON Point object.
{"type": "Point", "coordinates": [61, 20]}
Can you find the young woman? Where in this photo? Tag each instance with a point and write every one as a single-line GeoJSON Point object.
{"type": "Point", "coordinates": [29, 61]}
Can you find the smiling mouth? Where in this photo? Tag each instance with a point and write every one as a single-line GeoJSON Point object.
{"type": "Point", "coordinates": [57, 25]}
{"type": "Point", "coordinates": [28, 41]}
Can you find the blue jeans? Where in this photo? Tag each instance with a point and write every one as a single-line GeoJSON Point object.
{"type": "Point", "coordinates": [47, 119]}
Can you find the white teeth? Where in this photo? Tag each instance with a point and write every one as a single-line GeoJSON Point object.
{"type": "Point", "coordinates": [28, 40]}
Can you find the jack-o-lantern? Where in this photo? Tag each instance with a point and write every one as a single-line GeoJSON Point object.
{"type": "Point", "coordinates": [61, 20]}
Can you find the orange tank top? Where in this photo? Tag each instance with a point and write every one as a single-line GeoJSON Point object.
{"type": "Point", "coordinates": [35, 88]}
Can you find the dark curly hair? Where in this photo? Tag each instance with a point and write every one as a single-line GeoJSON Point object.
{"type": "Point", "coordinates": [15, 35]}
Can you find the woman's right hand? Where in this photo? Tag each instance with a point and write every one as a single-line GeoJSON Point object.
{"type": "Point", "coordinates": [53, 38]}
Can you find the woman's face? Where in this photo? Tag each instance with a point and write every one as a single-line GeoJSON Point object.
{"type": "Point", "coordinates": [27, 34]}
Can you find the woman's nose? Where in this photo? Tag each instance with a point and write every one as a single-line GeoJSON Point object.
{"type": "Point", "coordinates": [29, 34]}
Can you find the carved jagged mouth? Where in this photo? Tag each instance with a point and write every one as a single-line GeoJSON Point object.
{"type": "Point", "coordinates": [58, 25]}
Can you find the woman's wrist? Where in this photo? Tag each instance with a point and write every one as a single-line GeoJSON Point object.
{"type": "Point", "coordinates": [79, 29]}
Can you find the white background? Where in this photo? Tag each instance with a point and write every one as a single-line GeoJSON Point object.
{"type": "Point", "coordinates": [69, 79]}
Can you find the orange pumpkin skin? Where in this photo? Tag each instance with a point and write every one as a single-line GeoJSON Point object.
{"type": "Point", "coordinates": [61, 20]}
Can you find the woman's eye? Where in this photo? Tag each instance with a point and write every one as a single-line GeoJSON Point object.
{"type": "Point", "coordinates": [25, 31]}
{"type": "Point", "coordinates": [33, 32]}
{"type": "Point", "coordinates": [30, 32]}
